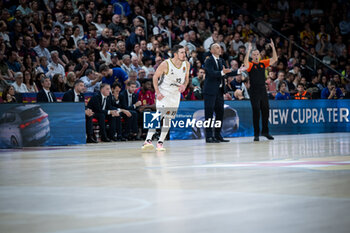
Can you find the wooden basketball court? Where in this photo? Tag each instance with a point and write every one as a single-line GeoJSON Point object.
{"type": "Point", "coordinates": [296, 183]}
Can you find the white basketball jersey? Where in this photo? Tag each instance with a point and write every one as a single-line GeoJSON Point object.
{"type": "Point", "coordinates": [175, 76]}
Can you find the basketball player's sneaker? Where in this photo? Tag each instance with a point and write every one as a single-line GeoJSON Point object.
{"type": "Point", "coordinates": [147, 145]}
{"type": "Point", "coordinates": [160, 146]}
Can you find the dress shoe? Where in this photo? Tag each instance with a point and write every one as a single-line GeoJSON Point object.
{"type": "Point", "coordinates": [221, 139]}
{"type": "Point", "coordinates": [121, 139]}
{"type": "Point", "coordinates": [268, 136]}
{"type": "Point", "coordinates": [256, 138]}
{"type": "Point", "coordinates": [90, 139]}
{"type": "Point", "coordinates": [105, 139]}
{"type": "Point", "coordinates": [211, 140]}
{"type": "Point", "coordinates": [114, 139]}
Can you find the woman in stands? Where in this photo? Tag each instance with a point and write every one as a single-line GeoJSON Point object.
{"type": "Point", "coordinates": [29, 82]}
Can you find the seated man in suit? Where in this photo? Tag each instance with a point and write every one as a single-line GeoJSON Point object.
{"type": "Point", "coordinates": [44, 95]}
{"type": "Point", "coordinates": [129, 116]}
{"type": "Point", "coordinates": [128, 101]}
{"type": "Point", "coordinates": [101, 105]}
{"type": "Point", "coordinates": [77, 95]}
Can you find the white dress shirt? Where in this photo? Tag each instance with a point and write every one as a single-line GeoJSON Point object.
{"type": "Point", "coordinates": [49, 96]}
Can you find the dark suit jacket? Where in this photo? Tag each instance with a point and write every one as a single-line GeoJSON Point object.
{"type": "Point", "coordinates": [213, 77]}
{"type": "Point", "coordinates": [115, 103]}
{"type": "Point", "coordinates": [95, 104]}
{"type": "Point", "coordinates": [123, 98]}
{"type": "Point", "coordinates": [69, 97]}
{"type": "Point", "coordinates": [42, 97]}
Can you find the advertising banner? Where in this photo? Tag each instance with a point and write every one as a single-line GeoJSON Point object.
{"type": "Point", "coordinates": [286, 117]}
{"type": "Point", "coordinates": [44, 124]}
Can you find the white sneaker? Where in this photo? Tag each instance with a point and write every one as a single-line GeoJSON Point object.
{"type": "Point", "coordinates": [160, 146]}
{"type": "Point", "coordinates": [147, 145]}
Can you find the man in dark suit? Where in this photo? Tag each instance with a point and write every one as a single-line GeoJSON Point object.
{"type": "Point", "coordinates": [213, 91]}
{"type": "Point", "coordinates": [129, 100]}
{"type": "Point", "coordinates": [44, 95]}
{"type": "Point", "coordinates": [129, 116]}
{"type": "Point", "coordinates": [76, 95]}
{"type": "Point", "coordinates": [101, 105]}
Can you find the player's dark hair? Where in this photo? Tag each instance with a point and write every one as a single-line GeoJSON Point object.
{"type": "Point", "coordinates": [176, 49]}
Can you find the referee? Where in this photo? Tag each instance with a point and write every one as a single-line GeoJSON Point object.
{"type": "Point", "coordinates": [257, 92]}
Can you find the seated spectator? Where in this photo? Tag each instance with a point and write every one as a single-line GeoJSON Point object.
{"type": "Point", "coordinates": [282, 94]}
{"type": "Point", "coordinates": [92, 80]}
{"type": "Point", "coordinates": [80, 51]}
{"type": "Point", "coordinates": [111, 75]}
{"type": "Point", "coordinates": [76, 95]}
{"type": "Point", "coordinates": [29, 82]}
{"type": "Point", "coordinates": [271, 78]}
{"type": "Point", "coordinates": [44, 95]}
{"type": "Point", "coordinates": [133, 77]}
{"type": "Point", "coordinates": [4, 69]}
{"type": "Point", "coordinates": [135, 37]}
{"type": "Point", "coordinates": [105, 55]}
{"type": "Point", "coordinates": [126, 64]}
{"type": "Point", "coordinates": [331, 91]}
{"type": "Point", "coordinates": [135, 64]}
{"type": "Point", "coordinates": [302, 94]}
{"type": "Point", "coordinates": [54, 67]}
{"type": "Point", "coordinates": [70, 80]}
{"type": "Point", "coordinates": [83, 65]}
{"type": "Point", "coordinates": [141, 75]}
{"type": "Point", "coordinates": [41, 49]}
{"type": "Point", "coordinates": [240, 91]}
{"type": "Point", "coordinates": [130, 117]}
{"type": "Point", "coordinates": [57, 84]}
{"type": "Point", "coordinates": [8, 95]}
{"type": "Point", "coordinates": [101, 106]}
{"type": "Point", "coordinates": [236, 42]}
{"type": "Point", "coordinates": [13, 62]}
{"type": "Point", "coordinates": [197, 90]}
{"type": "Point", "coordinates": [280, 79]}
{"type": "Point", "coordinates": [147, 65]}
{"type": "Point", "coordinates": [115, 61]}
{"type": "Point", "coordinates": [3, 83]}
{"type": "Point", "coordinates": [197, 80]}
{"type": "Point", "coordinates": [314, 88]}
{"type": "Point", "coordinates": [290, 83]}
{"type": "Point", "coordinates": [43, 67]}
{"type": "Point", "coordinates": [19, 86]}
{"type": "Point", "coordinates": [187, 43]}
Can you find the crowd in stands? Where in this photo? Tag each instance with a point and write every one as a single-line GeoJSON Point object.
{"type": "Point", "coordinates": [48, 45]}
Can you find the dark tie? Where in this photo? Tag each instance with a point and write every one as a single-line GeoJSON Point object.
{"type": "Point", "coordinates": [219, 64]}
{"type": "Point", "coordinates": [50, 97]}
{"type": "Point", "coordinates": [103, 103]}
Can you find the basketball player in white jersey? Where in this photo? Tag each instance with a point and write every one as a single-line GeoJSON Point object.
{"type": "Point", "coordinates": [169, 80]}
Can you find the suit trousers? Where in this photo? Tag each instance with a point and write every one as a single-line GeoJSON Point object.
{"type": "Point", "coordinates": [214, 103]}
{"type": "Point", "coordinates": [101, 117]}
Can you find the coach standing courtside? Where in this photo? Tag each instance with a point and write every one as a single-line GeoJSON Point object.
{"type": "Point", "coordinates": [214, 89]}
{"type": "Point", "coordinates": [257, 92]}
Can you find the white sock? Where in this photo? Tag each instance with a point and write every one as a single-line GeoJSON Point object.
{"type": "Point", "coordinates": [150, 134]}
{"type": "Point", "coordinates": [164, 131]}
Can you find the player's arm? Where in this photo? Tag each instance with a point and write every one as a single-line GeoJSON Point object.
{"type": "Point", "coordinates": [274, 57]}
{"type": "Point", "coordinates": [182, 87]}
{"type": "Point", "coordinates": [162, 69]}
